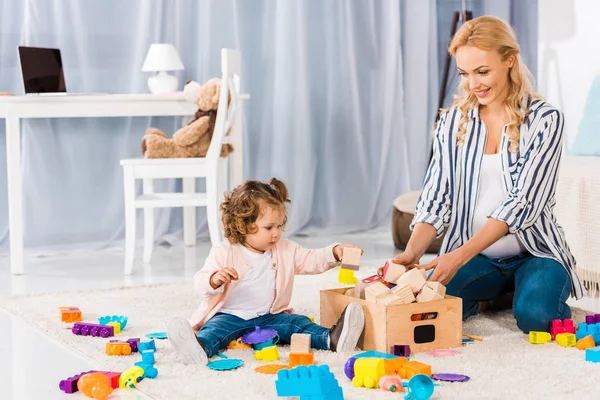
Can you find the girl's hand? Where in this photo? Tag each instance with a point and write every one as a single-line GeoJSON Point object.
{"type": "Point", "coordinates": [407, 259]}
{"type": "Point", "coordinates": [223, 276]}
{"type": "Point", "coordinates": [338, 250]}
{"type": "Point", "coordinates": [445, 266]}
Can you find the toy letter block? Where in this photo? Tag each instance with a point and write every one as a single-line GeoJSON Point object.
{"type": "Point", "coordinates": [300, 343]}
{"type": "Point", "coordinates": [566, 339]}
{"type": "Point", "coordinates": [539, 337]}
{"type": "Point", "coordinates": [314, 383]}
{"type": "Point", "coordinates": [351, 258]}
{"type": "Point", "coordinates": [301, 359]}
{"type": "Point", "coordinates": [586, 343]}
{"type": "Point", "coordinates": [70, 314]}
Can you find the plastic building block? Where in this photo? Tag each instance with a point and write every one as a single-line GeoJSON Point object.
{"type": "Point", "coordinates": [375, 354]}
{"type": "Point", "coordinates": [148, 356]}
{"type": "Point", "coordinates": [95, 385]}
{"type": "Point", "coordinates": [70, 314]}
{"type": "Point", "coordinates": [85, 329]}
{"type": "Point", "coordinates": [238, 344]}
{"type": "Point", "coordinates": [368, 372]}
{"type": "Point", "coordinates": [351, 258]}
{"type": "Point", "coordinates": [113, 377]}
{"type": "Point", "coordinates": [391, 383]}
{"type": "Point", "coordinates": [301, 359]}
{"type": "Point", "coordinates": [122, 320]}
{"type": "Point", "coordinates": [134, 343]}
{"type": "Point", "coordinates": [148, 345]}
{"type": "Point", "coordinates": [300, 343]}
{"type": "Point", "coordinates": [157, 335]}
{"type": "Point", "coordinates": [310, 383]}
{"type": "Point", "coordinates": [149, 370]}
{"type": "Point", "coordinates": [393, 366]}
{"type": "Point", "coordinates": [566, 339]}
{"type": "Point", "coordinates": [130, 377]}
{"type": "Point", "coordinates": [592, 318]}
{"type": "Point", "coordinates": [116, 326]}
{"type": "Point", "coordinates": [584, 330]}
{"type": "Point", "coordinates": [118, 348]}
{"type": "Point", "coordinates": [267, 354]}
{"type": "Point", "coordinates": [586, 343]}
{"type": "Point", "coordinates": [270, 369]}
{"type": "Point", "coordinates": [69, 385]}
{"type": "Point", "coordinates": [557, 326]}
{"type": "Point", "coordinates": [592, 355]}
{"type": "Point", "coordinates": [412, 368]}
{"type": "Point", "coordinates": [346, 276]}
{"type": "Point", "coordinates": [539, 337]}
{"type": "Point", "coordinates": [402, 350]}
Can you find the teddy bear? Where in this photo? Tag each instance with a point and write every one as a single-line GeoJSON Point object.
{"type": "Point", "coordinates": [193, 139]}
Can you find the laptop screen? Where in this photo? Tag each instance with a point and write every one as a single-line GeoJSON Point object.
{"type": "Point", "coordinates": [42, 70]}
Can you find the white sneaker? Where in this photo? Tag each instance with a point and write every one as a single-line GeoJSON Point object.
{"type": "Point", "coordinates": [184, 341]}
{"type": "Point", "coordinates": [345, 333]}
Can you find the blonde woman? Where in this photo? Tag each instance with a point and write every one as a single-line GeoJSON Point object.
{"type": "Point", "coordinates": [491, 185]}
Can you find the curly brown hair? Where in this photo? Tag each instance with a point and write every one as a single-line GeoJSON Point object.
{"type": "Point", "coordinates": [241, 207]}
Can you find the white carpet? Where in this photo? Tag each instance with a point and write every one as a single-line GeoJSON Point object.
{"type": "Point", "coordinates": [503, 366]}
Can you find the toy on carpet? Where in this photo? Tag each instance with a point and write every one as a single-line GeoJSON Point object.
{"type": "Point", "coordinates": [157, 335]}
{"type": "Point", "coordinates": [420, 387]}
{"type": "Point", "coordinates": [225, 364]}
{"type": "Point", "coordinates": [443, 352]}
{"type": "Point", "coordinates": [270, 369]}
{"type": "Point", "coordinates": [313, 382]}
{"type": "Point", "coordinates": [95, 385]}
{"type": "Point", "coordinates": [70, 314]}
{"type": "Point", "coordinates": [391, 383]}
{"type": "Point", "coordinates": [238, 344]}
{"type": "Point", "coordinates": [450, 377]}
{"type": "Point", "coordinates": [85, 329]}
{"type": "Point", "coordinates": [193, 140]}
{"type": "Point", "coordinates": [114, 320]}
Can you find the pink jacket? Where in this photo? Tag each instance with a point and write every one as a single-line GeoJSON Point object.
{"type": "Point", "coordinates": [288, 258]}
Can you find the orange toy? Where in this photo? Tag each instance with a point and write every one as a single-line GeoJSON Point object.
{"type": "Point", "coordinates": [270, 369]}
{"type": "Point", "coordinates": [393, 366]}
{"type": "Point", "coordinates": [118, 349]}
{"type": "Point", "coordinates": [70, 314]}
{"type": "Point", "coordinates": [301, 359]}
{"type": "Point", "coordinates": [238, 344]}
{"type": "Point", "coordinates": [586, 343]}
{"type": "Point", "coordinates": [412, 368]}
{"type": "Point", "coordinates": [94, 385]}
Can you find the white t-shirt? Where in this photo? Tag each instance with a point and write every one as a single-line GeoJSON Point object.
{"type": "Point", "coordinates": [491, 195]}
{"type": "Point", "coordinates": [254, 294]}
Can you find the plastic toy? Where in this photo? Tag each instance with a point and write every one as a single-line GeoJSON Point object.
{"type": "Point", "coordinates": [117, 348]}
{"type": "Point", "coordinates": [593, 355]}
{"type": "Point", "coordinates": [412, 368]}
{"type": "Point", "coordinates": [116, 326]}
{"type": "Point", "coordinates": [149, 370]}
{"type": "Point", "coordinates": [95, 385]}
{"type": "Point", "coordinates": [266, 343]}
{"type": "Point", "coordinates": [259, 335]}
{"type": "Point", "coordinates": [539, 337]}
{"type": "Point", "coordinates": [566, 339]}
{"type": "Point", "coordinates": [113, 378]}
{"type": "Point", "coordinates": [559, 326]}
{"type": "Point", "coordinates": [225, 364]}
{"type": "Point", "coordinates": [157, 335]}
{"type": "Point", "coordinates": [69, 385]}
{"type": "Point", "coordinates": [130, 377]}
{"type": "Point", "coordinates": [122, 320]}
{"type": "Point", "coordinates": [85, 329]}
{"type": "Point", "coordinates": [586, 343]}
{"type": "Point", "coordinates": [402, 350]}
{"type": "Point", "coordinates": [148, 345]}
{"type": "Point", "coordinates": [443, 352]}
{"type": "Point", "coordinates": [148, 356]}
{"type": "Point", "coordinates": [368, 372]}
{"type": "Point", "coordinates": [592, 319]}
{"type": "Point", "coordinates": [372, 279]}
{"type": "Point", "coordinates": [267, 354]}
{"type": "Point", "coordinates": [375, 354]}
{"type": "Point", "coordinates": [420, 387]}
{"type": "Point", "coordinates": [270, 369]}
{"type": "Point", "coordinates": [134, 343]}
{"type": "Point", "coordinates": [584, 330]}
{"type": "Point", "coordinates": [391, 383]}
{"type": "Point", "coordinates": [450, 377]}
{"type": "Point", "coordinates": [314, 383]}
{"type": "Point", "coordinates": [70, 314]}
{"type": "Point", "coordinates": [238, 344]}
{"type": "Point", "coordinates": [346, 276]}
{"type": "Point", "coordinates": [301, 359]}
{"type": "Point", "coordinates": [473, 337]}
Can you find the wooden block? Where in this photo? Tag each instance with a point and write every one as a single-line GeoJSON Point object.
{"type": "Point", "coordinates": [393, 272]}
{"type": "Point", "coordinates": [390, 299]}
{"type": "Point", "coordinates": [412, 278]}
{"type": "Point", "coordinates": [375, 290]}
{"type": "Point", "coordinates": [428, 294]}
{"type": "Point", "coordinates": [300, 343]}
{"type": "Point", "coordinates": [404, 292]}
{"type": "Point", "coordinates": [359, 290]}
{"type": "Point", "coordinates": [423, 272]}
{"type": "Point", "coordinates": [350, 292]}
{"type": "Point", "coordinates": [351, 258]}
{"type": "Point", "coordinates": [437, 287]}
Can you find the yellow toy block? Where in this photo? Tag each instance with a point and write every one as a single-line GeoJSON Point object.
{"type": "Point", "coordinates": [346, 276]}
{"type": "Point", "coordinates": [267, 354]}
{"type": "Point", "coordinates": [586, 343]}
{"type": "Point", "coordinates": [566, 339]}
{"type": "Point", "coordinates": [116, 326]}
{"type": "Point", "coordinates": [539, 337]}
{"type": "Point", "coordinates": [367, 372]}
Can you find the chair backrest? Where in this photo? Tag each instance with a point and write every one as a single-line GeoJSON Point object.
{"type": "Point", "coordinates": [229, 104]}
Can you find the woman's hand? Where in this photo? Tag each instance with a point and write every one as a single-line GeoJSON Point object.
{"type": "Point", "coordinates": [445, 267]}
{"type": "Point", "coordinates": [223, 276]}
{"type": "Point", "coordinates": [407, 259]}
{"type": "Point", "coordinates": [338, 250]}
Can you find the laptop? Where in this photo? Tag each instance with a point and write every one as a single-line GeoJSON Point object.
{"type": "Point", "coordinates": [42, 70]}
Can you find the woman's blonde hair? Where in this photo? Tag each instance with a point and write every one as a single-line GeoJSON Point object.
{"type": "Point", "coordinates": [492, 33]}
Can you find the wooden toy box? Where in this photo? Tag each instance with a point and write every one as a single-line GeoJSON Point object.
{"type": "Point", "coordinates": [386, 326]}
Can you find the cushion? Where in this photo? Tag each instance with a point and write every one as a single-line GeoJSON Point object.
{"type": "Point", "coordinates": [402, 215]}
{"type": "Point", "coordinates": [587, 142]}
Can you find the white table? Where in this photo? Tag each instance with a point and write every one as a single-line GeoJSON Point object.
{"type": "Point", "coordinates": [15, 108]}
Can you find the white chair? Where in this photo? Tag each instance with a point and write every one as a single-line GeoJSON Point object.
{"type": "Point", "coordinates": [218, 174]}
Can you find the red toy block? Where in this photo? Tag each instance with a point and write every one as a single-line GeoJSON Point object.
{"type": "Point", "coordinates": [113, 377]}
{"type": "Point", "coordinates": [559, 326]}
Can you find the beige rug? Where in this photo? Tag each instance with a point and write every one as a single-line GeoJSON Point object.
{"type": "Point", "coordinates": [503, 366]}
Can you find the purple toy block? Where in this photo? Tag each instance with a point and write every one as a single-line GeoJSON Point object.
{"type": "Point", "coordinates": [402, 350]}
{"type": "Point", "coordinates": [134, 343]}
{"type": "Point", "coordinates": [69, 385]}
{"type": "Point", "coordinates": [590, 319]}
{"type": "Point", "coordinates": [85, 329]}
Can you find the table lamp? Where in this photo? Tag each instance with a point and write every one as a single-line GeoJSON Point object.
{"type": "Point", "coordinates": [161, 58]}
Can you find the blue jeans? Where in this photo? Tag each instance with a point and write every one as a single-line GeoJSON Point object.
{"type": "Point", "coordinates": [221, 329]}
{"type": "Point", "coordinates": [541, 287]}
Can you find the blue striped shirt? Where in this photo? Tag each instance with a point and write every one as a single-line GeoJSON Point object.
{"type": "Point", "coordinates": [530, 175]}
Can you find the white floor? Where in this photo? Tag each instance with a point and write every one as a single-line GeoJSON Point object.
{"type": "Point", "coordinates": [32, 365]}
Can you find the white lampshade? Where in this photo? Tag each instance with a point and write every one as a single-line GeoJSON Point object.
{"type": "Point", "coordinates": [162, 57]}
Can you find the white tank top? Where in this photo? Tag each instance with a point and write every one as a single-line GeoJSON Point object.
{"type": "Point", "coordinates": [491, 196]}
